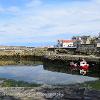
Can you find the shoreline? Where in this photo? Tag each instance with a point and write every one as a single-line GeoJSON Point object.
{"type": "Point", "coordinates": [69, 57]}
{"type": "Point", "coordinates": [4, 82]}
{"type": "Point", "coordinates": [48, 92]}
{"type": "Point", "coordinates": [44, 53]}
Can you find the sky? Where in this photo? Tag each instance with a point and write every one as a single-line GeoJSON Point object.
{"type": "Point", "coordinates": [43, 22]}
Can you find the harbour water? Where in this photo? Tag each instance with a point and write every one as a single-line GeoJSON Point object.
{"type": "Point", "coordinates": [38, 72]}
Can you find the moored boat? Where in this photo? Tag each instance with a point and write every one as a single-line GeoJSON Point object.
{"type": "Point", "coordinates": [84, 67]}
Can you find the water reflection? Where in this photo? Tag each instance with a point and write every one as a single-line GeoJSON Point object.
{"type": "Point", "coordinates": [94, 69]}
{"type": "Point", "coordinates": [38, 75]}
{"type": "Point", "coordinates": [43, 72]}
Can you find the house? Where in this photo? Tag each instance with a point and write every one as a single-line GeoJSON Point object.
{"type": "Point", "coordinates": [65, 43]}
{"type": "Point", "coordinates": [85, 44]}
{"type": "Point", "coordinates": [98, 41]}
{"type": "Point", "coordinates": [85, 40]}
{"type": "Point", "coordinates": [98, 45]}
{"type": "Point", "coordinates": [82, 39]}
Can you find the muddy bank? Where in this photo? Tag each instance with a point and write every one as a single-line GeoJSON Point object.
{"type": "Point", "coordinates": [74, 92]}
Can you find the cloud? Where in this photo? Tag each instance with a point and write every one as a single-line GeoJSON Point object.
{"type": "Point", "coordinates": [43, 21]}
{"type": "Point", "coordinates": [1, 9]}
{"type": "Point", "coordinates": [13, 9]}
{"type": "Point", "coordinates": [34, 3]}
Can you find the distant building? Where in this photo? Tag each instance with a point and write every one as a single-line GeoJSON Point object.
{"type": "Point", "coordinates": [65, 43]}
{"type": "Point", "coordinates": [98, 42]}
{"type": "Point", "coordinates": [98, 45]}
{"type": "Point", "coordinates": [13, 47]}
{"type": "Point", "coordinates": [82, 39]}
{"type": "Point", "coordinates": [85, 40]}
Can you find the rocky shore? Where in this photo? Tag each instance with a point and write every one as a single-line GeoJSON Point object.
{"type": "Point", "coordinates": [46, 92]}
{"type": "Point", "coordinates": [84, 91]}
{"type": "Point", "coordinates": [43, 53]}
{"type": "Point", "coordinates": [69, 57]}
{"type": "Point", "coordinates": [74, 92]}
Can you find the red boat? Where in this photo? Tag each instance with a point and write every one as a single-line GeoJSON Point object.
{"type": "Point", "coordinates": [84, 67]}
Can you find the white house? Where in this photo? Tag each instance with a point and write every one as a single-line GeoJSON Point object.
{"type": "Point", "coordinates": [98, 43]}
{"type": "Point", "coordinates": [65, 43]}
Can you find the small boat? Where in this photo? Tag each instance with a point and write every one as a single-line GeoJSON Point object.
{"type": "Point", "coordinates": [84, 67]}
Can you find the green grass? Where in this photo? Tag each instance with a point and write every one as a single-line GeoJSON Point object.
{"type": "Point", "coordinates": [93, 85]}
{"type": "Point", "coordinates": [13, 83]}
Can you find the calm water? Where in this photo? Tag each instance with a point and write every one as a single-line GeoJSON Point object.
{"type": "Point", "coordinates": [35, 71]}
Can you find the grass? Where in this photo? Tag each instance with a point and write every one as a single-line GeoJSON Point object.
{"type": "Point", "coordinates": [93, 85]}
{"type": "Point", "coordinates": [13, 83]}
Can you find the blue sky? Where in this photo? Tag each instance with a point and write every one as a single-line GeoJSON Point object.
{"type": "Point", "coordinates": [43, 22]}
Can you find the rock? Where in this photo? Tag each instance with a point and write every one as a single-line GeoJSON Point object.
{"type": "Point", "coordinates": [49, 93]}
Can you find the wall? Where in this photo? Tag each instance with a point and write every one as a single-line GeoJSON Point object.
{"type": "Point", "coordinates": [87, 48]}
